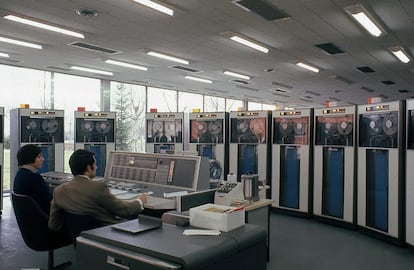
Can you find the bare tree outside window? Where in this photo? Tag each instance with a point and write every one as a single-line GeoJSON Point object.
{"type": "Point", "coordinates": [124, 122]}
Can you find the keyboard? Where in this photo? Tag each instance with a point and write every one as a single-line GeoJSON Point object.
{"type": "Point", "coordinates": [152, 201]}
{"type": "Point", "coordinates": [159, 203]}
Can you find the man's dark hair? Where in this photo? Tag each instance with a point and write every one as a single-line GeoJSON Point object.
{"type": "Point", "coordinates": [79, 161]}
{"type": "Point", "coordinates": [27, 154]}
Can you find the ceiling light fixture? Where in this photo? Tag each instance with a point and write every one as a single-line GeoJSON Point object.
{"type": "Point", "coordinates": [123, 64]}
{"type": "Point", "coordinates": [156, 6]}
{"type": "Point", "coordinates": [400, 53]}
{"type": "Point", "coordinates": [366, 20]}
{"type": "Point", "coordinates": [43, 26]}
{"type": "Point", "coordinates": [4, 55]}
{"type": "Point", "coordinates": [168, 57]}
{"type": "Point", "coordinates": [21, 43]}
{"type": "Point", "coordinates": [234, 74]}
{"type": "Point", "coordinates": [308, 67]}
{"type": "Point", "coordinates": [198, 79]}
{"type": "Point", "coordinates": [97, 71]}
{"type": "Point", "coordinates": [249, 43]}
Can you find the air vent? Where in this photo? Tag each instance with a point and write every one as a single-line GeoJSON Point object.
{"type": "Point", "coordinates": [186, 69]}
{"type": "Point", "coordinates": [388, 82]}
{"type": "Point", "coordinates": [94, 48]}
{"type": "Point", "coordinates": [240, 81]}
{"type": "Point", "coordinates": [312, 93]}
{"type": "Point", "coordinates": [329, 48]}
{"type": "Point", "coordinates": [282, 85]}
{"type": "Point", "coordinates": [216, 90]}
{"type": "Point", "coordinates": [365, 69]}
{"type": "Point", "coordinates": [167, 86]}
{"type": "Point", "coordinates": [342, 79]}
{"type": "Point", "coordinates": [263, 8]}
{"type": "Point", "coordinates": [140, 82]}
{"type": "Point", "coordinates": [280, 95]}
{"type": "Point", "coordinates": [309, 97]}
{"type": "Point", "coordinates": [251, 97]}
{"type": "Point", "coordinates": [367, 89]}
{"type": "Point", "coordinates": [280, 90]}
{"type": "Point", "coordinates": [306, 100]}
{"type": "Point", "coordinates": [247, 88]}
{"type": "Point", "coordinates": [334, 99]}
{"type": "Point", "coordinates": [10, 60]}
{"type": "Point", "coordinates": [58, 68]}
{"type": "Point", "coordinates": [403, 91]}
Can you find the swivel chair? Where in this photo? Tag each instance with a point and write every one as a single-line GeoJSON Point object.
{"type": "Point", "coordinates": [77, 223]}
{"type": "Point", "coordinates": [33, 225]}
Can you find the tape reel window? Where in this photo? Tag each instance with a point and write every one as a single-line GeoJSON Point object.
{"type": "Point", "coordinates": [41, 129]}
{"type": "Point", "coordinates": [334, 130]}
{"type": "Point", "coordinates": [99, 130]}
{"type": "Point", "coordinates": [379, 130]}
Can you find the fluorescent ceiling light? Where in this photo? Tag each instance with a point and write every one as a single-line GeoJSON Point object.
{"type": "Point", "coordinates": [97, 71]}
{"type": "Point", "coordinates": [20, 43]}
{"type": "Point", "coordinates": [400, 53]}
{"type": "Point", "coordinates": [123, 64]}
{"type": "Point", "coordinates": [250, 44]}
{"type": "Point", "coordinates": [4, 55]}
{"type": "Point", "coordinates": [308, 67]}
{"type": "Point", "coordinates": [234, 74]}
{"type": "Point", "coordinates": [198, 79]}
{"type": "Point", "coordinates": [366, 20]}
{"type": "Point", "coordinates": [156, 6]}
{"type": "Point", "coordinates": [44, 26]}
{"type": "Point", "coordinates": [170, 58]}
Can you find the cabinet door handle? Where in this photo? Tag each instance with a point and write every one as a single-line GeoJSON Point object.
{"type": "Point", "coordinates": [112, 261]}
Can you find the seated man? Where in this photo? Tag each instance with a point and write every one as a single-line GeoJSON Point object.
{"type": "Point", "coordinates": [82, 195]}
{"type": "Point", "coordinates": [27, 181]}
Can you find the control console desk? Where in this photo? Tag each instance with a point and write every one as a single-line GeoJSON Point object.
{"type": "Point", "coordinates": [173, 182]}
{"type": "Point", "coordinates": [167, 248]}
{"type": "Point", "coordinates": [165, 178]}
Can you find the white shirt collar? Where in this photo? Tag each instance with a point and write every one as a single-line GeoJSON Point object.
{"type": "Point", "coordinates": [30, 168]}
{"type": "Point", "coordinates": [84, 176]}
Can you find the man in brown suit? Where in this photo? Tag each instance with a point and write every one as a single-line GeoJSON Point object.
{"type": "Point", "coordinates": [84, 196]}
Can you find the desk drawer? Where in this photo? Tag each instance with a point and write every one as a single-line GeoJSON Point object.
{"type": "Point", "coordinates": [94, 255]}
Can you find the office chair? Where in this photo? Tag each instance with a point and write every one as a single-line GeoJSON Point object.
{"type": "Point", "coordinates": [77, 223]}
{"type": "Point", "coordinates": [33, 225]}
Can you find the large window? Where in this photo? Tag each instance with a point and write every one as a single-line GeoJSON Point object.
{"type": "Point", "coordinates": [233, 105]}
{"type": "Point", "coordinates": [189, 101]}
{"type": "Point", "coordinates": [254, 106]}
{"type": "Point", "coordinates": [21, 86]}
{"type": "Point", "coordinates": [72, 92]}
{"type": "Point", "coordinates": [269, 107]}
{"type": "Point", "coordinates": [214, 104]}
{"type": "Point", "coordinates": [161, 99]}
{"type": "Point", "coordinates": [128, 101]}
{"type": "Point", "coordinates": [46, 90]}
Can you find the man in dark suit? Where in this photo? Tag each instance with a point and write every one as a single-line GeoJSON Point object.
{"type": "Point", "coordinates": [84, 196]}
{"type": "Point", "coordinates": [27, 181]}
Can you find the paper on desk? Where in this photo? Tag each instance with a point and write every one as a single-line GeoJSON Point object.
{"type": "Point", "coordinates": [201, 232]}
